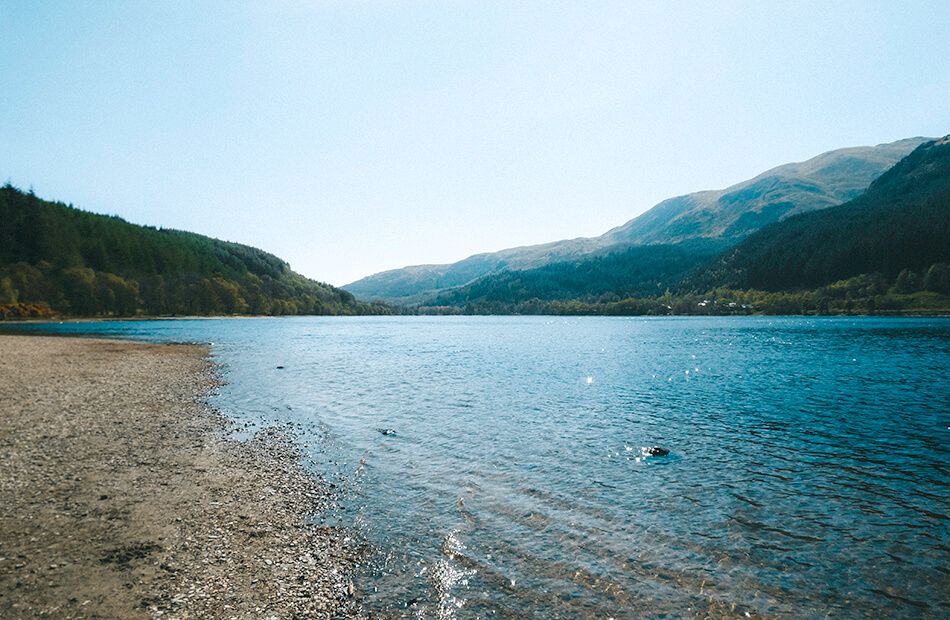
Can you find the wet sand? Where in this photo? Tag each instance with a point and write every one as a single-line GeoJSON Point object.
{"type": "Point", "coordinates": [122, 497]}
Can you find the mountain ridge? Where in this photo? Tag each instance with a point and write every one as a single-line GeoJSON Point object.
{"type": "Point", "coordinates": [902, 222]}
{"type": "Point", "coordinates": [721, 216]}
{"type": "Point", "coordinates": [823, 181]}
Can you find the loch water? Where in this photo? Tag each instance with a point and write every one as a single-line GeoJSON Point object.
{"type": "Point", "coordinates": [500, 466]}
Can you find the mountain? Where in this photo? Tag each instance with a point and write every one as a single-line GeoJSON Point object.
{"type": "Point", "coordinates": [887, 251]}
{"type": "Point", "coordinates": [721, 218]}
{"type": "Point", "coordinates": [58, 259]}
{"type": "Point", "coordinates": [900, 225]}
{"type": "Point", "coordinates": [420, 283]}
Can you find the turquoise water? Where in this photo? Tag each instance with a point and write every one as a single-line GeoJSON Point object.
{"type": "Point", "coordinates": [807, 476]}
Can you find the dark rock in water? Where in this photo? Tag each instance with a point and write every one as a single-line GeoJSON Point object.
{"type": "Point", "coordinates": [657, 451]}
{"type": "Point", "coordinates": [387, 431]}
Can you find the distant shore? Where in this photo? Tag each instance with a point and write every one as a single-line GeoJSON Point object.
{"type": "Point", "coordinates": [109, 319]}
{"type": "Point", "coordinates": [121, 497]}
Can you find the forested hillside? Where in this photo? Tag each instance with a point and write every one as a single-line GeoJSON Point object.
{"type": "Point", "coordinates": [901, 223]}
{"type": "Point", "coordinates": [887, 251]}
{"type": "Point", "coordinates": [58, 259]}
{"type": "Point", "coordinates": [611, 275]}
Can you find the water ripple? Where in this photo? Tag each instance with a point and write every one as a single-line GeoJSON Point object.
{"type": "Point", "coordinates": [807, 475]}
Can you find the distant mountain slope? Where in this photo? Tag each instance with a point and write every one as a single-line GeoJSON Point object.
{"type": "Point", "coordinates": [612, 274]}
{"type": "Point", "coordinates": [722, 216]}
{"type": "Point", "coordinates": [419, 283]}
{"type": "Point", "coordinates": [77, 263]}
{"type": "Point", "coordinates": [733, 213]}
{"type": "Point", "coordinates": [902, 222]}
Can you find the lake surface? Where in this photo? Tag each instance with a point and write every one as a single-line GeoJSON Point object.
{"type": "Point", "coordinates": [807, 474]}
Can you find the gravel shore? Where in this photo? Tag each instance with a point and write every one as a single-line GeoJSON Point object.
{"type": "Point", "coordinates": [121, 497]}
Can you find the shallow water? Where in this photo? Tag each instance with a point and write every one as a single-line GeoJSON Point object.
{"type": "Point", "coordinates": [807, 474]}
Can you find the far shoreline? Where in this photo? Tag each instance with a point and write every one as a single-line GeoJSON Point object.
{"type": "Point", "coordinates": [9, 326]}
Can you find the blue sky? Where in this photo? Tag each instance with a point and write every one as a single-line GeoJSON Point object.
{"type": "Point", "coordinates": [350, 137]}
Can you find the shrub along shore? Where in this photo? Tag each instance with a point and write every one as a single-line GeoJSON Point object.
{"type": "Point", "coordinates": [122, 497]}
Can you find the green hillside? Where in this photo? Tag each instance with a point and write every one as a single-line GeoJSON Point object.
{"type": "Point", "coordinates": [622, 272]}
{"type": "Point", "coordinates": [901, 223]}
{"type": "Point", "coordinates": [887, 251]}
{"type": "Point", "coordinates": [58, 259]}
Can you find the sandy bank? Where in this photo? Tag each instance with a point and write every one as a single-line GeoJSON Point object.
{"type": "Point", "coordinates": [119, 498]}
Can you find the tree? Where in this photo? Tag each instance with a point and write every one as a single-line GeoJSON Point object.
{"type": "Point", "coordinates": [8, 294]}
{"type": "Point", "coordinates": [907, 282]}
{"type": "Point", "coordinates": [937, 278]}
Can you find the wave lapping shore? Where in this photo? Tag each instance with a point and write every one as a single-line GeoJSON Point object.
{"type": "Point", "coordinates": [122, 497]}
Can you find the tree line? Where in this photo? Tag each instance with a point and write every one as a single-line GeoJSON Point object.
{"type": "Point", "coordinates": [867, 294]}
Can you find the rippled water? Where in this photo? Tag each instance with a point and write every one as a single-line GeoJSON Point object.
{"type": "Point", "coordinates": [807, 475]}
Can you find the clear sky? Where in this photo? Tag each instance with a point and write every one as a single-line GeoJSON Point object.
{"type": "Point", "coordinates": [350, 137]}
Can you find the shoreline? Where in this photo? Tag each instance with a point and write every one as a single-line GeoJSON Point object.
{"type": "Point", "coordinates": [122, 497]}
{"type": "Point", "coordinates": [936, 314]}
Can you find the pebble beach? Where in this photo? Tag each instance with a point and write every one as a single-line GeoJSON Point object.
{"type": "Point", "coordinates": [122, 495]}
